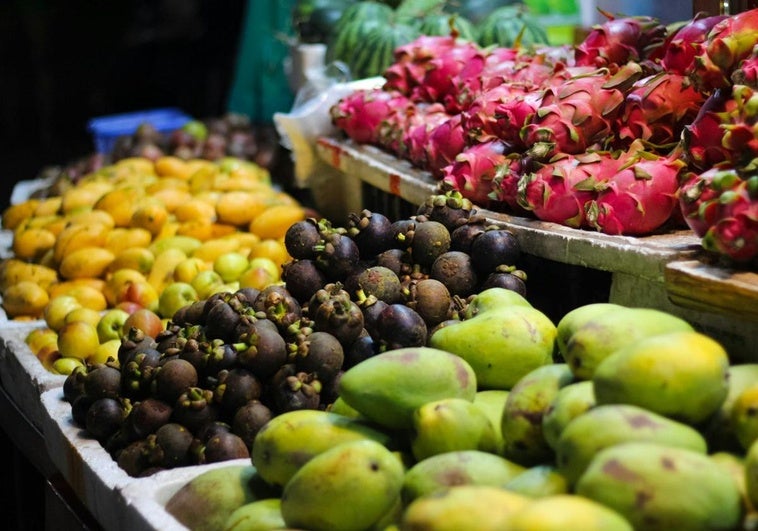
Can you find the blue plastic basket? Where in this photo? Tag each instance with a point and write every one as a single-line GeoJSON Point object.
{"type": "Point", "coordinates": [106, 129]}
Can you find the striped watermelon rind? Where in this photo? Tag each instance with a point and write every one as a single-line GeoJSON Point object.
{"type": "Point", "coordinates": [439, 24]}
{"type": "Point", "coordinates": [375, 53]}
{"type": "Point", "coordinates": [502, 28]}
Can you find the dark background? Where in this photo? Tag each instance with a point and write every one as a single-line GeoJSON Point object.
{"type": "Point", "coordinates": [63, 62]}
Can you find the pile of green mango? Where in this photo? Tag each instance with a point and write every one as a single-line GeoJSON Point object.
{"type": "Point", "coordinates": [614, 418]}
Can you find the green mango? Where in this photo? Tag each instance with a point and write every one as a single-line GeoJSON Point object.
{"type": "Point", "coordinates": [661, 488]}
{"type": "Point", "coordinates": [350, 486]}
{"type": "Point", "coordinates": [744, 417]}
{"type": "Point", "coordinates": [493, 299]}
{"type": "Point", "coordinates": [751, 474]}
{"type": "Point", "coordinates": [205, 501]}
{"type": "Point", "coordinates": [525, 407]}
{"type": "Point", "coordinates": [682, 375]}
{"type": "Point", "coordinates": [448, 425]}
{"type": "Point", "coordinates": [288, 441]}
{"type": "Point", "coordinates": [465, 467]}
{"type": "Point", "coordinates": [735, 466]}
{"type": "Point", "coordinates": [718, 429]}
{"type": "Point", "coordinates": [260, 515]}
{"type": "Point", "coordinates": [463, 508]}
{"type": "Point", "coordinates": [608, 425]}
{"type": "Point", "coordinates": [599, 336]}
{"type": "Point", "coordinates": [341, 407]}
{"type": "Point", "coordinates": [567, 511]}
{"type": "Point", "coordinates": [492, 403]}
{"type": "Point", "coordinates": [389, 387]}
{"type": "Point", "coordinates": [570, 402]}
{"type": "Point", "coordinates": [538, 481]}
{"type": "Point", "coordinates": [576, 318]}
{"type": "Point", "coordinates": [502, 344]}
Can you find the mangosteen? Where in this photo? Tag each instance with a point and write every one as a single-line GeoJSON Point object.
{"type": "Point", "coordinates": [219, 357]}
{"type": "Point", "coordinates": [301, 239]}
{"type": "Point", "coordinates": [431, 299]}
{"type": "Point", "coordinates": [247, 295]}
{"type": "Point", "coordinates": [79, 408]}
{"type": "Point", "coordinates": [449, 208]}
{"type": "Point", "coordinates": [134, 340]}
{"type": "Point", "coordinates": [249, 419]}
{"type": "Point", "coordinates": [382, 283]}
{"type": "Point", "coordinates": [134, 458]}
{"type": "Point", "coordinates": [430, 240]}
{"type": "Point", "coordinates": [137, 372]}
{"type": "Point", "coordinates": [194, 353]}
{"type": "Point", "coordinates": [173, 378]}
{"type": "Point", "coordinates": [104, 381]}
{"type": "Point", "coordinates": [303, 278]}
{"type": "Point", "coordinates": [236, 387]}
{"type": "Point", "coordinates": [224, 447]}
{"type": "Point", "coordinates": [400, 326]}
{"type": "Point", "coordinates": [221, 321]}
{"type": "Point", "coordinates": [262, 349]}
{"type": "Point", "coordinates": [456, 271]}
{"type": "Point", "coordinates": [462, 238]}
{"type": "Point", "coordinates": [278, 305]}
{"type": "Point", "coordinates": [396, 260]}
{"type": "Point", "coordinates": [211, 429]}
{"type": "Point", "coordinates": [104, 417]}
{"type": "Point", "coordinates": [399, 230]}
{"type": "Point", "coordinates": [359, 350]}
{"type": "Point", "coordinates": [190, 314]}
{"type": "Point", "coordinates": [174, 441]}
{"type": "Point", "coordinates": [340, 317]}
{"type": "Point", "coordinates": [493, 248]}
{"type": "Point", "coordinates": [145, 417]}
{"type": "Point", "coordinates": [371, 231]}
{"type": "Point", "coordinates": [372, 309]}
{"type": "Point", "coordinates": [194, 408]}
{"type": "Point", "coordinates": [337, 254]}
{"type": "Point", "coordinates": [322, 356]}
{"type": "Point", "coordinates": [73, 385]}
{"type": "Point", "coordinates": [507, 277]}
{"type": "Point", "coordinates": [292, 390]}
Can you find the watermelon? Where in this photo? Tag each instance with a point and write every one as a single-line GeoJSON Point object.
{"type": "Point", "coordinates": [315, 20]}
{"type": "Point", "coordinates": [440, 24]}
{"type": "Point", "coordinates": [503, 27]}
{"type": "Point", "coordinates": [376, 53]}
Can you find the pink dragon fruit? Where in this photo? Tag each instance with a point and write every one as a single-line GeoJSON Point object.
{"type": "Point", "coordinates": [658, 107]}
{"type": "Point", "coordinates": [699, 196]}
{"type": "Point", "coordinates": [559, 190]}
{"type": "Point", "coordinates": [449, 73]}
{"type": "Point", "coordinates": [721, 206]}
{"type": "Point", "coordinates": [504, 195]}
{"type": "Point", "coordinates": [578, 114]}
{"type": "Point", "coordinates": [729, 42]}
{"type": "Point", "coordinates": [417, 133]}
{"type": "Point", "coordinates": [619, 40]}
{"type": "Point", "coordinates": [474, 169]}
{"type": "Point", "coordinates": [445, 142]}
{"type": "Point", "coordinates": [640, 197]}
{"type": "Point", "coordinates": [361, 114]}
{"type": "Point", "coordinates": [680, 49]}
{"type": "Point", "coordinates": [485, 118]}
{"type": "Point", "coordinates": [747, 71]}
{"type": "Point", "coordinates": [725, 129]}
{"type": "Point", "coordinates": [410, 61]}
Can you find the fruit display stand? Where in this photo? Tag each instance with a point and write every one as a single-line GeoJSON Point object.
{"type": "Point", "coordinates": [659, 271]}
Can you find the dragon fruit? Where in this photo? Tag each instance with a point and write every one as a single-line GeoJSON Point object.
{"type": "Point", "coordinates": [500, 112]}
{"type": "Point", "coordinates": [640, 197]}
{"type": "Point", "coordinates": [747, 71]}
{"type": "Point", "coordinates": [721, 206]}
{"type": "Point", "coordinates": [729, 42]}
{"type": "Point", "coordinates": [504, 194]}
{"type": "Point", "coordinates": [410, 62]}
{"type": "Point", "coordinates": [686, 43]}
{"type": "Point", "coordinates": [619, 40]}
{"type": "Point", "coordinates": [558, 190]}
{"type": "Point", "coordinates": [362, 114]}
{"type": "Point", "coordinates": [474, 169]}
{"type": "Point", "coordinates": [725, 129]}
{"type": "Point", "coordinates": [658, 107]}
{"type": "Point", "coordinates": [579, 113]}
{"type": "Point", "coordinates": [415, 136]}
{"type": "Point", "coordinates": [444, 143]}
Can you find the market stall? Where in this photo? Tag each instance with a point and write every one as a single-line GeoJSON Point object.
{"type": "Point", "coordinates": [443, 313]}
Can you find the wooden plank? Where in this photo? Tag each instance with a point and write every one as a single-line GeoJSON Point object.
{"type": "Point", "coordinates": [697, 285]}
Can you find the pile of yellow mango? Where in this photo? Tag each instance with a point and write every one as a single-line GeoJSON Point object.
{"type": "Point", "coordinates": [139, 221]}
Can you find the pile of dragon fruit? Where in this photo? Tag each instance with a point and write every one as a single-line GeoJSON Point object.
{"type": "Point", "coordinates": [640, 128]}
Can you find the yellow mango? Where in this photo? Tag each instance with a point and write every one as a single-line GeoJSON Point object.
{"type": "Point", "coordinates": [275, 220]}
{"type": "Point", "coordinates": [78, 236]}
{"type": "Point", "coordinates": [120, 203]}
{"type": "Point", "coordinates": [13, 271]}
{"type": "Point", "coordinates": [121, 238]}
{"type": "Point", "coordinates": [15, 214]}
{"type": "Point", "coordinates": [86, 262]}
{"type": "Point", "coordinates": [25, 299]}
{"type": "Point", "coordinates": [139, 258]}
{"type": "Point", "coordinates": [32, 243]}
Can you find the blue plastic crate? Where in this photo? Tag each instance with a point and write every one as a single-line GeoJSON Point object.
{"type": "Point", "coordinates": [106, 129]}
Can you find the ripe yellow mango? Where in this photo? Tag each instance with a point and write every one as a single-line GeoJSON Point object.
{"type": "Point", "coordinates": [87, 262]}
{"type": "Point", "coordinates": [25, 299]}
